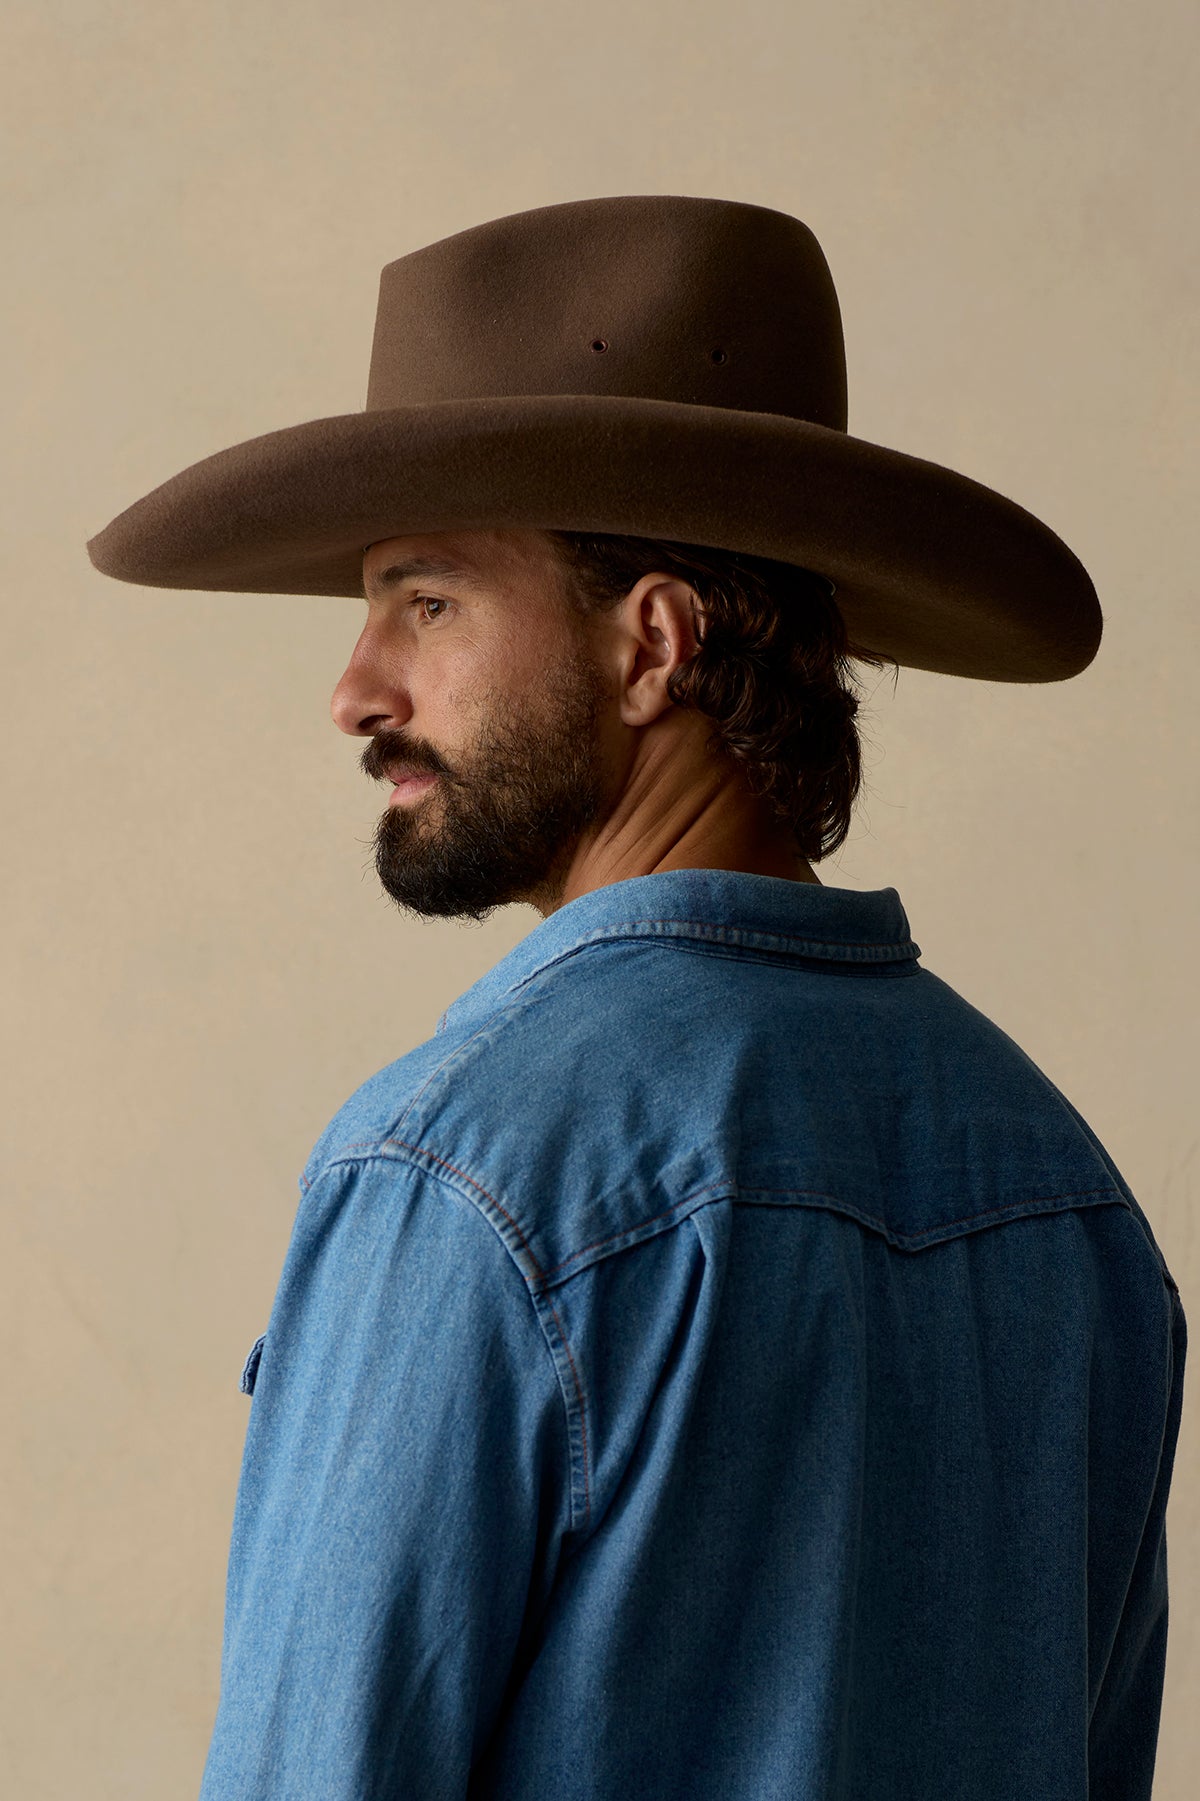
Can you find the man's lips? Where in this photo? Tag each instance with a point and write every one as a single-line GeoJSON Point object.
{"type": "Point", "coordinates": [399, 771]}
{"type": "Point", "coordinates": [415, 782]}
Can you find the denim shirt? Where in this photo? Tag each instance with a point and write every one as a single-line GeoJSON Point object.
{"type": "Point", "coordinates": [717, 1365]}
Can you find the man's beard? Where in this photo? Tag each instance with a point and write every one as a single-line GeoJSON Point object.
{"type": "Point", "coordinates": [502, 827]}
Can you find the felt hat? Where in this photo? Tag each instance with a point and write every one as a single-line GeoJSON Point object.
{"type": "Point", "coordinates": [663, 365]}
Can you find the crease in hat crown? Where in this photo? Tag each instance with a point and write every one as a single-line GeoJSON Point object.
{"type": "Point", "coordinates": [661, 297]}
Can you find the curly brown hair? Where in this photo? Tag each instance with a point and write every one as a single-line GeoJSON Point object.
{"type": "Point", "coordinates": [771, 669]}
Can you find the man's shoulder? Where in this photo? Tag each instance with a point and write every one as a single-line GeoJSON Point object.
{"type": "Point", "coordinates": [562, 1097]}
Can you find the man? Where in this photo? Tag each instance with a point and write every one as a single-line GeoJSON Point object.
{"type": "Point", "coordinates": [718, 1362]}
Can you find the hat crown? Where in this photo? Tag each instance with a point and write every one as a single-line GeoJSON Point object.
{"type": "Point", "coordinates": [659, 296]}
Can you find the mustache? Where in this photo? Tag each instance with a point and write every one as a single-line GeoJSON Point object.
{"type": "Point", "coordinates": [383, 751]}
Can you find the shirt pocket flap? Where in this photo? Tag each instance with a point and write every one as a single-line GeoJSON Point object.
{"type": "Point", "coordinates": [250, 1367]}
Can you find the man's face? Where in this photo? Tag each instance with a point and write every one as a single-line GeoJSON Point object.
{"type": "Point", "coordinates": [490, 683]}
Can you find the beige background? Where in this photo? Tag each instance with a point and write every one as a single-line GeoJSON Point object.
{"type": "Point", "coordinates": [200, 963]}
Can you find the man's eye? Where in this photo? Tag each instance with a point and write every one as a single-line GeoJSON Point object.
{"type": "Point", "coordinates": [420, 600]}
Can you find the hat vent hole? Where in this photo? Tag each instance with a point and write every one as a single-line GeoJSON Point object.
{"type": "Point", "coordinates": [599, 343]}
{"type": "Point", "coordinates": [718, 356]}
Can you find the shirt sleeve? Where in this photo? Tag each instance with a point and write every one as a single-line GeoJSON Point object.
{"type": "Point", "coordinates": [1124, 1727]}
{"type": "Point", "coordinates": [403, 1496]}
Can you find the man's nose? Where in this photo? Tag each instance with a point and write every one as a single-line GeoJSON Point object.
{"type": "Point", "coordinates": [368, 697]}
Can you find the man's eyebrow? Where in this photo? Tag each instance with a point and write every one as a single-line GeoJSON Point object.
{"type": "Point", "coordinates": [433, 568]}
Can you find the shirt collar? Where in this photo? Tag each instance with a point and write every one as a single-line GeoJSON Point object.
{"type": "Point", "coordinates": [710, 906]}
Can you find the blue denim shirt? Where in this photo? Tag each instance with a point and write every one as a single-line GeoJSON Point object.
{"type": "Point", "coordinates": [718, 1365]}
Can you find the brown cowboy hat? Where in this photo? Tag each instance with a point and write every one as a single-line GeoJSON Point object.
{"type": "Point", "coordinates": [655, 364]}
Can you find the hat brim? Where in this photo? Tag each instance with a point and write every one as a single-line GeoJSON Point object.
{"type": "Point", "coordinates": [934, 569]}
